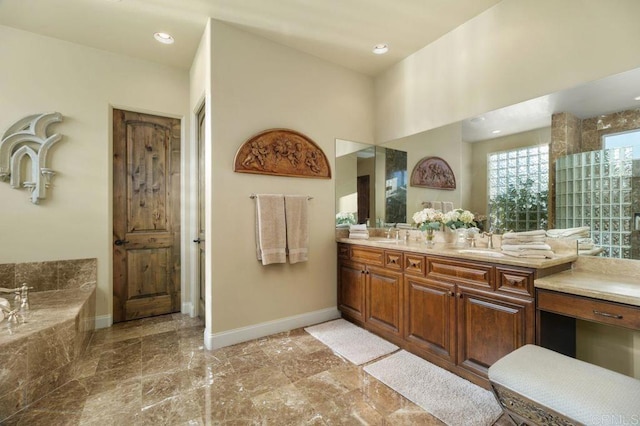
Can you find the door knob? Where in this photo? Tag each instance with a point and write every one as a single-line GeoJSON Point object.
{"type": "Point", "coordinates": [121, 242]}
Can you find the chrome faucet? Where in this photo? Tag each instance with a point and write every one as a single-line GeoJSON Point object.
{"type": "Point", "coordinates": [389, 232]}
{"type": "Point", "coordinates": [490, 235]}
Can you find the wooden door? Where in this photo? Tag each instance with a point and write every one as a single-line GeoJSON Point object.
{"type": "Point", "coordinates": [491, 326]}
{"type": "Point", "coordinates": [351, 290]}
{"type": "Point", "coordinates": [201, 218]}
{"type": "Point", "coordinates": [384, 300]}
{"type": "Point", "coordinates": [364, 188]}
{"type": "Point", "coordinates": [430, 316]}
{"type": "Point", "coordinates": [146, 215]}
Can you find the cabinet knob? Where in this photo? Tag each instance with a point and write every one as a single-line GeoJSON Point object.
{"type": "Point", "coordinates": [460, 295]}
{"type": "Point", "coordinates": [451, 294]}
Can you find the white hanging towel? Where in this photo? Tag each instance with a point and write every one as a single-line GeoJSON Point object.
{"type": "Point", "coordinates": [297, 214]}
{"type": "Point", "coordinates": [271, 234]}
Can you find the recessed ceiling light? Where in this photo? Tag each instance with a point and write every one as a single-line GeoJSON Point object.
{"type": "Point", "coordinates": [637, 98]}
{"type": "Point", "coordinates": [477, 120]}
{"type": "Point", "coordinates": [380, 49]}
{"type": "Point", "coordinates": [164, 38]}
{"type": "Point", "coordinates": [495, 132]}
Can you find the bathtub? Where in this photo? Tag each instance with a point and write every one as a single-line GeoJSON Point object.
{"type": "Point", "coordinates": [42, 354]}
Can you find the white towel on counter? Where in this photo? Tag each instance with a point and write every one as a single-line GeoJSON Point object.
{"type": "Point", "coordinates": [271, 235]}
{"type": "Point", "coordinates": [536, 233]}
{"type": "Point", "coordinates": [522, 247]}
{"type": "Point", "coordinates": [297, 219]}
{"type": "Point", "coordinates": [577, 232]}
{"type": "Point", "coordinates": [530, 254]}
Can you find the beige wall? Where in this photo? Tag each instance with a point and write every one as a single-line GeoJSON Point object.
{"type": "Point", "coordinates": [444, 142]}
{"type": "Point", "coordinates": [515, 51]}
{"type": "Point", "coordinates": [41, 74]}
{"type": "Point", "coordinates": [257, 85]}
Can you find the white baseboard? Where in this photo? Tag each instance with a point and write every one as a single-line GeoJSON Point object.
{"type": "Point", "coordinates": [104, 321]}
{"type": "Point", "coordinates": [243, 334]}
{"type": "Point", "coordinates": [187, 308]}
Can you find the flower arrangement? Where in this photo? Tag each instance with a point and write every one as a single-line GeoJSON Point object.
{"type": "Point", "coordinates": [459, 218]}
{"type": "Point", "coordinates": [345, 218]}
{"type": "Point", "coordinates": [428, 219]}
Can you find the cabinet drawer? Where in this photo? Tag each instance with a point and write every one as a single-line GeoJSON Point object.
{"type": "Point", "coordinates": [370, 256]}
{"type": "Point", "coordinates": [414, 264]}
{"type": "Point", "coordinates": [589, 309]}
{"type": "Point", "coordinates": [514, 281]}
{"type": "Point", "coordinates": [393, 260]}
{"type": "Point", "coordinates": [470, 273]}
{"type": "Point", "coordinates": [343, 251]}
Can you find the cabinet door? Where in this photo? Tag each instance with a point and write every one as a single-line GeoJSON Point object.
{"type": "Point", "coordinates": [490, 326]}
{"type": "Point", "coordinates": [430, 316]}
{"type": "Point", "coordinates": [351, 278]}
{"type": "Point", "coordinates": [384, 299]}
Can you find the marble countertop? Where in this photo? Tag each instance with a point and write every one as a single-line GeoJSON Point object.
{"type": "Point", "coordinates": [611, 282]}
{"type": "Point", "coordinates": [449, 250]}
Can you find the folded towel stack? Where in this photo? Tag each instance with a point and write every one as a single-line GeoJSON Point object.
{"type": "Point", "coordinates": [571, 233]}
{"type": "Point", "coordinates": [526, 237]}
{"type": "Point", "coordinates": [529, 244]}
{"type": "Point", "coordinates": [358, 232]}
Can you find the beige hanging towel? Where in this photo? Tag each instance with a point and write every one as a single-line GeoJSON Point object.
{"type": "Point", "coordinates": [297, 214]}
{"type": "Point", "coordinates": [271, 237]}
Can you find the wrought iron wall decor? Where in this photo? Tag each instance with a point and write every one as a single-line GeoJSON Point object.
{"type": "Point", "coordinates": [282, 152]}
{"type": "Point", "coordinates": [28, 138]}
{"type": "Point", "coordinates": [433, 172]}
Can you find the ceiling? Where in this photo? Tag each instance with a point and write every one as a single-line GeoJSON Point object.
{"type": "Point", "coordinates": [614, 93]}
{"type": "Point", "coordinates": [340, 31]}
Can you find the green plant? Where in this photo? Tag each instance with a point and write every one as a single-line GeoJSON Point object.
{"type": "Point", "coordinates": [519, 208]}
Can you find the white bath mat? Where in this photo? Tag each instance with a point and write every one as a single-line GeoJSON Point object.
{"type": "Point", "coordinates": [350, 341]}
{"type": "Point", "coordinates": [450, 398]}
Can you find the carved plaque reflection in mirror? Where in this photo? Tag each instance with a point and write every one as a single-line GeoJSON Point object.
{"type": "Point", "coordinates": [433, 172]}
{"type": "Point", "coordinates": [282, 152]}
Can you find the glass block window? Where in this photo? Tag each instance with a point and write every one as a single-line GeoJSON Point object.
{"type": "Point", "coordinates": [518, 188]}
{"type": "Point", "coordinates": [594, 189]}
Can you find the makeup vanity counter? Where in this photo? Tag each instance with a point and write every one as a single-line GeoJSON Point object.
{"type": "Point", "coordinates": [460, 308]}
{"type": "Point", "coordinates": [600, 290]}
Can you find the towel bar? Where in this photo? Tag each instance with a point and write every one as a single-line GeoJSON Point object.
{"type": "Point", "coordinates": [254, 196]}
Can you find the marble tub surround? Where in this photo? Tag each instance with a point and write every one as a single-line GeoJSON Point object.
{"type": "Point", "coordinates": [615, 280]}
{"type": "Point", "coordinates": [156, 371]}
{"type": "Point", "coordinates": [49, 275]}
{"type": "Point", "coordinates": [40, 355]}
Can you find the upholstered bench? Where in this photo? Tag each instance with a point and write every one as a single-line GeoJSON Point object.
{"type": "Point", "coordinates": [537, 386]}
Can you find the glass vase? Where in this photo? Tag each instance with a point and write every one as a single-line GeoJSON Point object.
{"type": "Point", "coordinates": [461, 237]}
{"type": "Point", "coordinates": [429, 235]}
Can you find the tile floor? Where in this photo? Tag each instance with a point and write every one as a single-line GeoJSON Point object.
{"type": "Point", "coordinates": [155, 371]}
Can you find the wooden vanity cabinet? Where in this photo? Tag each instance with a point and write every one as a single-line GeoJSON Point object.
{"type": "Point", "coordinates": [490, 326]}
{"type": "Point", "coordinates": [383, 302]}
{"type": "Point", "coordinates": [351, 285]}
{"type": "Point", "coordinates": [371, 294]}
{"type": "Point", "coordinates": [430, 318]}
{"type": "Point", "coordinates": [462, 315]}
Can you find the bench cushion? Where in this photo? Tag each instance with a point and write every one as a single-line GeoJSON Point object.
{"type": "Point", "coordinates": [577, 390]}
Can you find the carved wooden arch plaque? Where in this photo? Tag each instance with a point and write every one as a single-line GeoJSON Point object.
{"type": "Point", "coordinates": [433, 172]}
{"type": "Point", "coordinates": [282, 152]}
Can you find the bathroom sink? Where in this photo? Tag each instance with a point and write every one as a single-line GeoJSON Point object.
{"type": "Point", "coordinates": [481, 252]}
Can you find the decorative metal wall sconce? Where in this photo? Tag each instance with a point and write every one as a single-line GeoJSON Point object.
{"type": "Point", "coordinates": [28, 138]}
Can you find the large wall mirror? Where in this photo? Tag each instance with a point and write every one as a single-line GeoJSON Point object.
{"type": "Point", "coordinates": [371, 184]}
{"type": "Point", "coordinates": [572, 124]}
